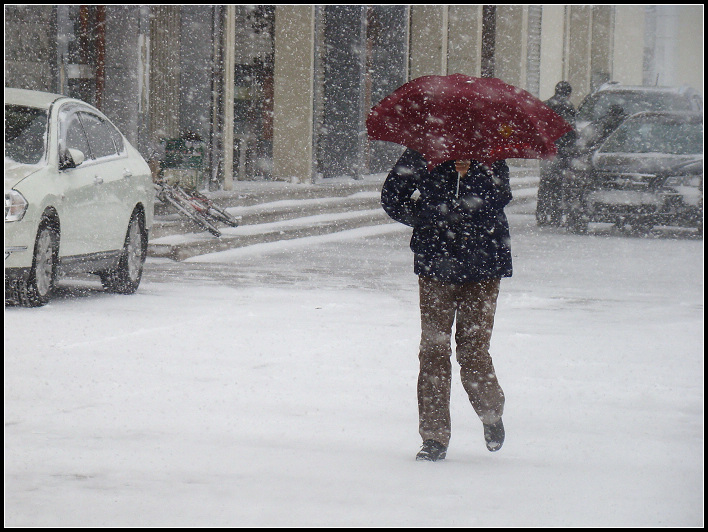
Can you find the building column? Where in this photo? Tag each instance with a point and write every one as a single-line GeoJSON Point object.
{"type": "Point", "coordinates": [164, 70]}
{"type": "Point", "coordinates": [601, 43]}
{"type": "Point", "coordinates": [510, 45]}
{"type": "Point", "coordinates": [686, 46]}
{"type": "Point", "coordinates": [428, 40]}
{"type": "Point", "coordinates": [553, 61]}
{"type": "Point", "coordinates": [464, 39]}
{"type": "Point", "coordinates": [578, 51]}
{"type": "Point", "coordinates": [227, 134]}
{"type": "Point", "coordinates": [628, 49]}
{"type": "Point", "coordinates": [293, 93]}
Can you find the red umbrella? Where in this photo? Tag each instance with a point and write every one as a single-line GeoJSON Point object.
{"type": "Point", "coordinates": [460, 117]}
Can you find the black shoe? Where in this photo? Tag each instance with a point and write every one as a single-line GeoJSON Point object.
{"type": "Point", "coordinates": [494, 435]}
{"type": "Point", "coordinates": [432, 451]}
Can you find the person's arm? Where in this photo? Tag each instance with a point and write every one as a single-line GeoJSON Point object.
{"type": "Point", "coordinates": [399, 187]}
{"type": "Point", "coordinates": [500, 195]}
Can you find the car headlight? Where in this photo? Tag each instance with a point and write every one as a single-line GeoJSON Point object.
{"type": "Point", "coordinates": [15, 206]}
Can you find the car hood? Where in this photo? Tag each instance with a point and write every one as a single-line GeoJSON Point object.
{"type": "Point", "coordinates": [639, 163]}
{"type": "Point", "coordinates": [16, 172]}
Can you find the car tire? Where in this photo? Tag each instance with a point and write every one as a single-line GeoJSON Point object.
{"type": "Point", "coordinates": [126, 276]}
{"type": "Point", "coordinates": [577, 224]}
{"type": "Point", "coordinates": [541, 217]}
{"type": "Point", "coordinates": [36, 290]}
{"type": "Point", "coordinates": [641, 227]}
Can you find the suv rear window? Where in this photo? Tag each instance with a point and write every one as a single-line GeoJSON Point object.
{"type": "Point", "coordinates": [597, 105]}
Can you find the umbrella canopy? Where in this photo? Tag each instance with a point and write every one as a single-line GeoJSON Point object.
{"type": "Point", "coordinates": [460, 117]}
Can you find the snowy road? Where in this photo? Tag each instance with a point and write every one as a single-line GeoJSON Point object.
{"type": "Point", "coordinates": [275, 386]}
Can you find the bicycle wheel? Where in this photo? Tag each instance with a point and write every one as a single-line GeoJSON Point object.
{"type": "Point", "coordinates": [183, 204]}
{"type": "Point", "coordinates": [221, 215]}
{"type": "Point", "coordinates": [207, 207]}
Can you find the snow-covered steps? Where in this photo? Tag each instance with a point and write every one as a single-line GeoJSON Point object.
{"type": "Point", "coordinates": [270, 212]}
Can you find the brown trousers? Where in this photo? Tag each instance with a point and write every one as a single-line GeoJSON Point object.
{"type": "Point", "coordinates": [473, 305]}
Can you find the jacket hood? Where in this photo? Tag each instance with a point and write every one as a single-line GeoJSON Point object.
{"type": "Point", "coordinates": [16, 172]}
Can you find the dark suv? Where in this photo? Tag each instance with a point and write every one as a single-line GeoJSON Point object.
{"type": "Point", "coordinates": [648, 172]}
{"type": "Point", "coordinates": [603, 110]}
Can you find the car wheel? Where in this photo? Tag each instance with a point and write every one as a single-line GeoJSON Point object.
{"type": "Point", "coordinates": [37, 289]}
{"type": "Point", "coordinates": [699, 220]}
{"type": "Point", "coordinates": [577, 223]}
{"type": "Point", "coordinates": [641, 225]}
{"type": "Point", "coordinates": [125, 278]}
{"type": "Point", "coordinates": [541, 217]}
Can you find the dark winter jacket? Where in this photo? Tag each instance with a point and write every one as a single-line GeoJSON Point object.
{"type": "Point", "coordinates": [460, 231]}
{"type": "Point", "coordinates": [565, 109]}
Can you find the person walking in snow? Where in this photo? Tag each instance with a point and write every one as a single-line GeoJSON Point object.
{"type": "Point", "coordinates": [461, 247]}
{"type": "Point", "coordinates": [549, 205]}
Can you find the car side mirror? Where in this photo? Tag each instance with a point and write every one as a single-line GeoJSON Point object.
{"type": "Point", "coordinates": [71, 159]}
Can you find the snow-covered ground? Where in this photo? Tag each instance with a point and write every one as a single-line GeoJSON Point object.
{"type": "Point", "coordinates": [275, 386]}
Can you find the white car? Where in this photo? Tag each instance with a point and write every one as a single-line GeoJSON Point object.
{"type": "Point", "coordinates": [78, 198]}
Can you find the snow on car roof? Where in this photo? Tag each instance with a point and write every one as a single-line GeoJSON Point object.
{"type": "Point", "coordinates": [38, 99]}
{"type": "Point", "coordinates": [618, 87]}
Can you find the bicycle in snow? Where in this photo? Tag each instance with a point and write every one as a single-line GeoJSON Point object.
{"type": "Point", "coordinates": [195, 206]}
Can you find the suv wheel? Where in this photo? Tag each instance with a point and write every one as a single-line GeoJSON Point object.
{"type": "Point", "coordinates": [577, 223]}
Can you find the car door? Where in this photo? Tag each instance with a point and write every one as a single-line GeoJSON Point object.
{"type": "Point", "coordinates": [79, 213]}
{"type": "Point", "coordinates": [111, 177]}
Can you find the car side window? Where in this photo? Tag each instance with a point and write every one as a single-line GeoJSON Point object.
{"type": "Point", "coordinates": [116, 136]}
{"type": "Point", "coordinates": [100, 138]}
{"type": "Point", "coordinates": [74, 136]}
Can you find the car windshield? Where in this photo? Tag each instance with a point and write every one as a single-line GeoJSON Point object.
{"type": "Point", "coordinates": [597, 105]}
{"type": "Point", "coordinates": [25, 133]}
{"type": "Point", "coordinates": [656, 136]}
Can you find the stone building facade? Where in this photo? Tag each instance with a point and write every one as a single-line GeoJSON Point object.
{"type": "Point", "coordinates": [282, 92]}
